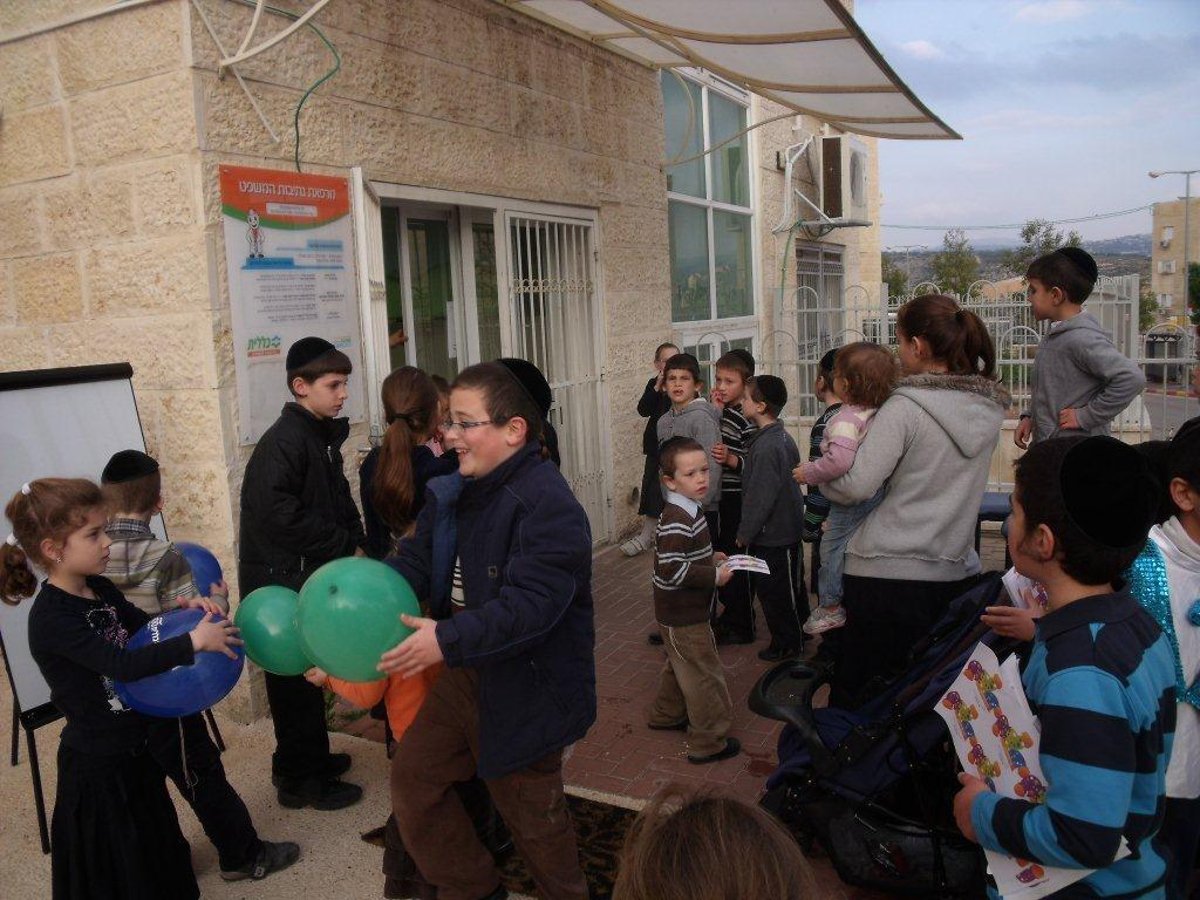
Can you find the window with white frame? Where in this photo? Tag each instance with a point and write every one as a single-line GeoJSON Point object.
{"type": "Point", "coordinates": [709, 202]}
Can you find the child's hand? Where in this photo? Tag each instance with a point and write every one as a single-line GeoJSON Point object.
{"type": "Point", "coordinates": [316, 677]}
{"type": "Point", "coordinates": [798, 474]}
{"type": "Point", "coordinates": [719, 558]}
{"type": "Point", "coordinates": [219, 589]}
{"type": "Point", "coordinates": [1023, 432]}
{"type": "Point", "coordinates": [720, 453]}
{"type": "Point", "coordinates": [972, 787]}
{"type": "Point", "coordinates": [724, 573]}
{"type": "Point", "coordinates": [1069, 418]}
{"type": "Point", "coordinates": [716, 398]}
{"type": "Point", "coordinates": [415, 653]}
{"type": "Point", "coordinates": [1009, 621]}
{"type": "Point", "coordinates": [204, 603]}
{"type": "Point", "coordinates": [216, 635]}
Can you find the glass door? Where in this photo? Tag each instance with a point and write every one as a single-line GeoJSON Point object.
{"type": "Point", "coordinates": [477, 234]}
{"type": "Point", "coordinates": [427, 259]}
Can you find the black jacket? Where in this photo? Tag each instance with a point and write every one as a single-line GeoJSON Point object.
{"type": "Point", "coordinates": [297, 512]}
{"type": "Point", "coordinates": [652, 405]}
{"type": "Point", "coordinates": [526, 553]}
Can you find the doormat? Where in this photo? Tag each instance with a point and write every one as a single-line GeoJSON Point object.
{"type": "Point", "coordinates": [600, 830]}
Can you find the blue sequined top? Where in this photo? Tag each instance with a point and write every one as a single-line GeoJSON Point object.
{"type": "Point", "coordinates": [1148, 582]}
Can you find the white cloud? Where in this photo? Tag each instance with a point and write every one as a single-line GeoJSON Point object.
{"type": "Point", "coordinates": [922, 50]}
{"type": "Point", "coordinates": [1051, 11]}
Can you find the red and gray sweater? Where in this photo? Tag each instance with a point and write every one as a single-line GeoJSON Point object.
{"type": "Point", "coordinates": [684, 575]}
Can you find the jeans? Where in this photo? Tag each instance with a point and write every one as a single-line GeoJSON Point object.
{"type": "Point", "coordinates": [842, 522]}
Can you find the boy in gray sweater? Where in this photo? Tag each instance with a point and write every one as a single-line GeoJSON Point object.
{"type": "Point", "coordinates": [773, 517]}
{"type": "Point", "coordinates": [1081, 382]}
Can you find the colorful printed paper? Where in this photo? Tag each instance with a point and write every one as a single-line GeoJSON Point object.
{"type": "Point", "coordinates": [743, 563]}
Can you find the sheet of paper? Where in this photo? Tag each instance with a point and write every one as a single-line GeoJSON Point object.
{"type": "Point", "coordinates": [746, 563]}
{"type": "Point", "coordinates": [1018, 585]}
{"type": "Point", "coordinates": [996, 737]}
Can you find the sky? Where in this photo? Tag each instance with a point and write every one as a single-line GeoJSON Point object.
{"type": "Point", "coordinates": [1063, 105]}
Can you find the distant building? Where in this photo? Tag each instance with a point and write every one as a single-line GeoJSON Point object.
{"type": "Point", "coordinates": [1167, 276]}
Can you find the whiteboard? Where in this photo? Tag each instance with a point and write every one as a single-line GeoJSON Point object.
{"type": "Point", "coordinates": [63, 423]}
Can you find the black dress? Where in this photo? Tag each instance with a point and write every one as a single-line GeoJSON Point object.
{"type": "Point", "coordinates": [652, 405]}
{"type": "Point", "coordinates": [114, 833]}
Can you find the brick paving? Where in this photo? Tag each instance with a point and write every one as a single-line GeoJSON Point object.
{"type": "Point", "coordinates": [624, 762]}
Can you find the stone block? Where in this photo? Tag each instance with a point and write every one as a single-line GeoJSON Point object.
{"type": "Point", "coordinates": [636, 268]}
{"type": "Point", "coordinates": [167, 275]}
{"type": "Point", "coordinates": [33, 145]}
{"type": "Point", "coordinates": [23, 347]}
{"type": "Point", "coordinates": [122, 47]}
{"type": "Point", "coordinates": [79, 211]}
{"type": "Point", "coordinates": [27, 74]}
{"type": "Point", "coordinates": [166, 351]}
{"type": "Point", "coordinates": [196, 504]}
{"type": "Point", "coordinates": [636, 226]}
{"type": "Point", "coordinates": [20, 16]}
{"type": "Point", "coordinates": [165, 196]}
{"type": "Point", "coordinates": [151, 117]}
{"type": "Point", "coordinates": [20, 221]}
{"type": "Point", "coordinates": [47, 289]}
{"type": "Point", "coordinates": [189, 427]}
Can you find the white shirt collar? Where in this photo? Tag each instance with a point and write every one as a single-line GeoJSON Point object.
{"type": "Point", "coordinates": [687, 504]}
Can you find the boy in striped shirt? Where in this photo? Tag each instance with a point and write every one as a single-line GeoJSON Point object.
{"type": "Point", "coordinates": [692, 695]}
{"type": "Point", "coordinates": [1101, 675]}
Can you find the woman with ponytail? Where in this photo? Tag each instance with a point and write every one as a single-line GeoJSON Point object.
{"type": "Point", "coordinates": [114, 833]}
{"type": "Point", "coordinates": [931, 443]}
{"type": "Point", "coordinates": [392, 478]}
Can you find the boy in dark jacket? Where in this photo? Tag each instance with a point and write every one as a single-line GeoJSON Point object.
{"type": "Point", "coordinates": [773, 518]}
{"type": "Point", "coordinates": [654, 403]}
{"type": "Point", "coordinates": [692, 695]}
{"type": "Point", "coordinates": [297, 515]}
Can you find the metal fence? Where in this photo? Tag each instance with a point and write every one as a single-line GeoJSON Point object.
{"type": "Point", "coordinates": [809, 324]}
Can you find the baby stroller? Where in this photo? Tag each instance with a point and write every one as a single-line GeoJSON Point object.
{"type": "Point", "coordinates": [874, 785]}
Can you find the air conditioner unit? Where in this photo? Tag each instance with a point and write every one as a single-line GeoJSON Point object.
{"type": "Point", "coordinates": [844, 178]}
{"type": "Point", "coordinates": [1165, 243]}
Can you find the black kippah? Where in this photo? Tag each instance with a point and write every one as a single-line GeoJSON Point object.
{"type": "Point", "coordinates": [1108, 492]}
{"type": "Point", "coordinates": [128, 465]}
{"type": "Point", "coordinates": [532, 381]}
{"type": "Point", "coordinates": [772, 389]}
{"type": "Point", "coordinates": [305, 350]}
{"type": "Point", "coordinates": [1081, 260]}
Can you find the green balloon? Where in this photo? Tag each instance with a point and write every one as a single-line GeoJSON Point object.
{"type": "Point", "coordinates": [350, 614]}
{"type": "Point", "coordinates": [267, 619]}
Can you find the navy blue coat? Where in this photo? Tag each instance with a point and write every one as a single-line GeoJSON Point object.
{"type": "Point", "coordinates": [526, 555]}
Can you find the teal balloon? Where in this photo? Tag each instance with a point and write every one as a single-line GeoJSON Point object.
{"type": "Point", "coordinates": [267, 619]}
{"type": "Point", "coordinates": [350, 614]}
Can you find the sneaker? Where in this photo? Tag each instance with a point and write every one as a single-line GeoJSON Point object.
{"type": "Point", "coordinates": [635, 545]}
{"type": "Point", "coordinates": [271, 857]}
{"type": "Point", "coordinates": [325, 794]}
{"type": "Point", "coordinates": [825, 619]}
{"type": "Point", "coordinates": [732, 748]}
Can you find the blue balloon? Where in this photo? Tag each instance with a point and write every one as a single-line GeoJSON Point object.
{"type": "Point", "coordinates": [183, 690]}
{"type": "Point", "coordinates": [206, 571]}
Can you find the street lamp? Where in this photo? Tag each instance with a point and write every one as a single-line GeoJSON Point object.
{"type": "Point", "coordinates": [906, 248]}
{"type": "Point", "coordinates": [1187, 198]}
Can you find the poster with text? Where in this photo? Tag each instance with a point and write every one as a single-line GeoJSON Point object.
{"type": "Point", "coordinates": [289, 250]}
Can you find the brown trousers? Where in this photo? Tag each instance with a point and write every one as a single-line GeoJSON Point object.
{"type": "Point", "coordinates": [441, 748]}
{"type": "Point", "coordinates": [692, 687]}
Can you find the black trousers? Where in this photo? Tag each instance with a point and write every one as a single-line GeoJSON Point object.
{"type": "Point", "coordinates": [298, 714]}
{"type": "Point", "coordinates": [202, 782]}
{"type": "Point", "coordinates": [885, 617]}
{"type": "Point", "coordinates": [1179, 835]}
{"type": "Point", "coordinates": [781, 593]}
{"type": "Point", "coordinates": [737, 608]}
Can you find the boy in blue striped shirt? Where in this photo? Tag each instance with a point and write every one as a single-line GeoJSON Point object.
{"type": "Point", "coordinates": [1100, 677]}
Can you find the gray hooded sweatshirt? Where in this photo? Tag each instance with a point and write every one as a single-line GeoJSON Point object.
{"type": "Point", "coordinates": [701, 421]}
{"type": "Point", "coordinates": [1078, 366]}
{"type": "Point", "coordinates": [932, 443]}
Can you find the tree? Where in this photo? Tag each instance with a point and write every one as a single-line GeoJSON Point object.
{"type": "Point", "coordinates": [894, 277]}
{"type": "Point", "coordinates": [956, 268]}
{"type": "Point", "coordinates": [1147, 308]}
{"type": "Point", "coordinates": [1038, 238]}
{"type": "Point", "coordinates": [1193, 293]}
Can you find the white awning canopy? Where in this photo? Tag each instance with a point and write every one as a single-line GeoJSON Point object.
{"type": "Point", "coordinates": [809, 55]}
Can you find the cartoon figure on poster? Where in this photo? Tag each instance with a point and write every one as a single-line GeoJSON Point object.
{"type": "Point", "coordinates": [255, 236]}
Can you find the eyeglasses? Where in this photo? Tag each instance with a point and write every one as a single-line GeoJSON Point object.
{"type": "Point", "coordinates": [448, 426]}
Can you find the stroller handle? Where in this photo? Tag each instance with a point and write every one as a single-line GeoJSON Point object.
{"type": "Point", "coordinates": [785, 693]}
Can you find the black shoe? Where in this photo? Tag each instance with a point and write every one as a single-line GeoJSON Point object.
{"type": "Point", "coordinates": [674, 726]}
{"type": "Point", "coordinates": [775, 654]}
{"type": "Point", "coordinates": [732, 748]}
{"type": "Point", "coordinates": [654, 639]}
{"type": "Point", "coordinates": [336, 764]}
{"type": "Point", "coordinates": [325, 794]}
{"type": "Point", "coordinates": [271, 857]}
{"type": "Point", "coordinates": [726, 636]}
